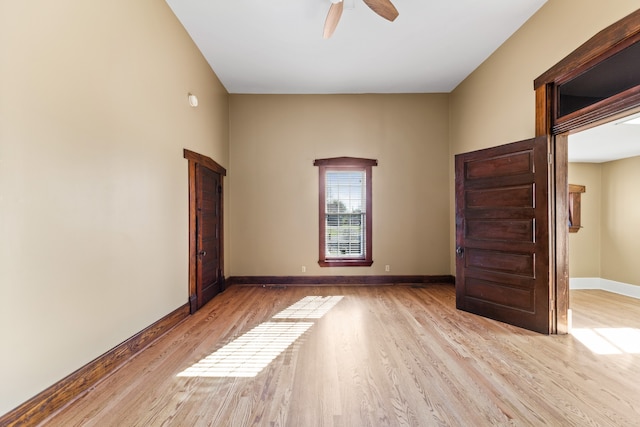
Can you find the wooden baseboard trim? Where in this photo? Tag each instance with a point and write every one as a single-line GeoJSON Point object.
{"type": "Point", "coordinates": [54, 398]}
{"type": "Point", "coordinates": [336, 280]}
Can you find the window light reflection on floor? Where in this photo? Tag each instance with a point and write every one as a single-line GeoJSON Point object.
{"type": "Point", "coordinates": [311, 307]}
{"type": "Point", "coordinates": [250, 353]}
{"type": "Point", "coordinates": [609, 340]}
{"type": "Point", "coordinates": [626, 339]}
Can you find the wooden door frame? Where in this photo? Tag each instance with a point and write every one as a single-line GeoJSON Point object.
{"type": "Point", "coordinates": [607, 42]}
{"type": "Point", "coordinates": [195, 159]}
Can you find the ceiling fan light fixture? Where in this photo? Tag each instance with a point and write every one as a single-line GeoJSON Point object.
{"type": "Point", "coordinates": [333, 17]}
{"type": "Point", "coordinates": [383, 8]}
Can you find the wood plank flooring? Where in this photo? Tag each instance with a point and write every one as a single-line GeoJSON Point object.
{"type": "Point", "coordinates": [382, 356]}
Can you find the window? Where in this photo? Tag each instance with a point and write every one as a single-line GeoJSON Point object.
{"type": "Point", "coordinates": [611, 76]}
{"type": "Point", "coordinates": [345, 211]}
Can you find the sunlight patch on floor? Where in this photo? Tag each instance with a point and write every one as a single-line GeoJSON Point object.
{"type": "Point", "coordinates": [311, 307]}
{"type": "Point", "coordinates": [609, 340]}
{"type": "Point", "coordinates": [250, 353]}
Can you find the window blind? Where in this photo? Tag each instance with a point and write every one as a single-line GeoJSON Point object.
{"type": "Point", "coordinates": [345, 211]}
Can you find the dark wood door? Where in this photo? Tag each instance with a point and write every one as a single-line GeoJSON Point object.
{"type": "Point", "coordinates": [209, 279]}
{"type": "Point", "coordinates": [502, 234]}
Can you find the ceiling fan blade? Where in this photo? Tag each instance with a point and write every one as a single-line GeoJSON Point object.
{"type": "Point", "coordinates": [333, 17]}
{"type": "Point", "coordinates": [383, 8]}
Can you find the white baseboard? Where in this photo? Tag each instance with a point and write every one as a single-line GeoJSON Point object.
{"type": "Point", "coordinates": [605, 285]}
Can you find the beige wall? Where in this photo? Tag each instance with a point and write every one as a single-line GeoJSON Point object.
{"type": "Point", "coordinates": [495, 104]}
{"type": "Point", "coordinates": [585, 245]}
{"type": "Point", "coordinates": [607, 245]}
{"type": "Point", "coordinates": [93, 184]}
{"type": "Point", "coordinates": [274, 185]}
{"type": "Point", "coordinates": [620, 214]}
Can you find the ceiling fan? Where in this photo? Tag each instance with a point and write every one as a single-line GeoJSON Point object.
{"type": "Point", "coordinates": [383, 8]}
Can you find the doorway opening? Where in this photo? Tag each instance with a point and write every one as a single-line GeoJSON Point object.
{"type": "Point", "coordinates": [556, 123]}
{"type": "Point", "coordinates": [606, 160]}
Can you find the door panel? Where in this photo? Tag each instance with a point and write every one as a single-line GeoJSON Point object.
{"type": "Point", "coordinates": [208, 234]}
{"type": "Point", "coordinates": [507, 197]}
{"type": "Point", "coordinates": [500, 261]}
{"type": "Point", "coordinates": [520, 230]}
{"type": "Point", "coordinates": [502, 233]}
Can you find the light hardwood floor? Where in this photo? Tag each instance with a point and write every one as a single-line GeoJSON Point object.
{"type": "Point", "coordinates": [382, 356]}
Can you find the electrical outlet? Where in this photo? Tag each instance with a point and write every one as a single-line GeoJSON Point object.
{"type": "Point", "coordinates": [387, 268]}
{"type": "Point", "coordinates": [304, 268]}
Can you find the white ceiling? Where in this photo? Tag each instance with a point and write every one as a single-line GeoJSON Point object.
{"type": "Point", "coordinates": [276, 46]}
{"type": "Point", "coordinates": [612, 141]}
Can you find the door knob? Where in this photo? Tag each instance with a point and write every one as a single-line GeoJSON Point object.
{"type": "Point", "coordinates": [460, 251]}
{"type": "Point", "coordinates": [202, 253]}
